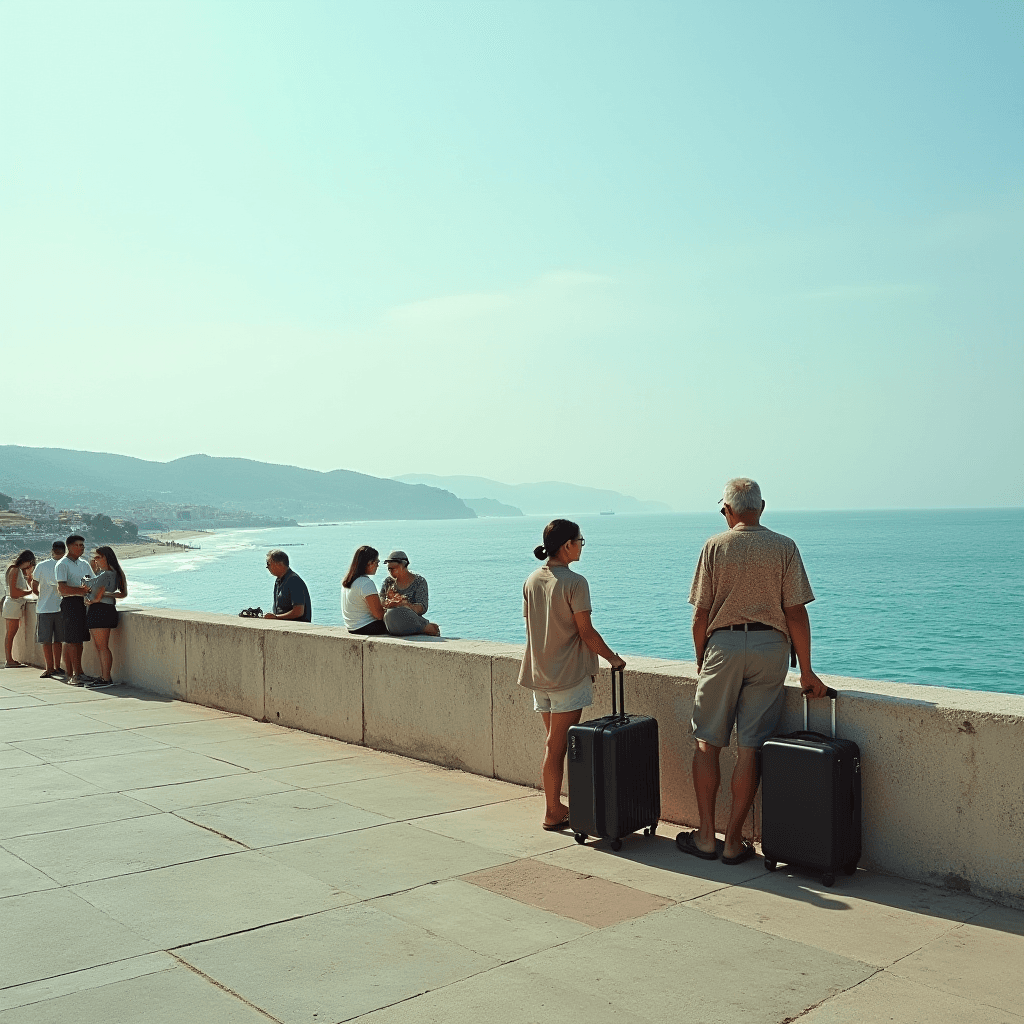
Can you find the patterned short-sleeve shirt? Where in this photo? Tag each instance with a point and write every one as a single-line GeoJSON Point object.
{"type": "Point", "coordinates": [749, 574]}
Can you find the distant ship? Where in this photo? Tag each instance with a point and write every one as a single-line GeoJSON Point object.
{"type": "Point", "coordinates": [607, 513]}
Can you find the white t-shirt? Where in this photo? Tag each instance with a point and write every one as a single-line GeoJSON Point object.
{"type": "Point", "coordinates": [49, 597]}
{"type": "Point", "coordinates": [71, 570]}
{"type": "Point", "coordinates": [353, 602]}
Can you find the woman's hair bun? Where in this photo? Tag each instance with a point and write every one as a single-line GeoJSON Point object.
{"type": "Point", "coordinates": [540, 551]}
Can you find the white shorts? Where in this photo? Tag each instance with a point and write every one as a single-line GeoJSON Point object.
{"type": "Point", "coordinates": [560, 701]}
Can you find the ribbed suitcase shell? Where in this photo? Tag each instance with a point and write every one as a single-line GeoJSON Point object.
{"type": "Point", "coordinates": [614, 775]}
{"type": "Point", "coordinates": [811, 802]}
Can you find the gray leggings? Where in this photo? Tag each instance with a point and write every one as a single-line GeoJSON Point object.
{"type": "Point", "coordinates": [404, 622]}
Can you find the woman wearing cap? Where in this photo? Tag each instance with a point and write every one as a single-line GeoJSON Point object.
{"type": "Point", "coordinates": [17, 586]}
{"type": "Point", "coordinates": [562, 648]}
{"type": "Point", "coordinates": [360, 606]}
{"type": "Point", "coordinates": [404, 597]}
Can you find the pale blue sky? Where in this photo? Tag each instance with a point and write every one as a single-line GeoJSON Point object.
{"type": "Point", "coordinates": [637, 245]}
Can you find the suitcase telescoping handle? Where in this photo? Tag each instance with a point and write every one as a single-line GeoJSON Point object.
{"type": "Point", "coordinates": [831, 694]}
{"type": "Point", "coordinates": [622, 695]}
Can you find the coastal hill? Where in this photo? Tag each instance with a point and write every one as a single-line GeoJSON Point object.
{"type": "Point", "coordinates": [548, 499]}
{"type": "Point", "coordinates": [102, 481]}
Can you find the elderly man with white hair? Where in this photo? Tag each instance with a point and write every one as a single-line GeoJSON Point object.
{"type": "Point", "coordinates": [749, 595]}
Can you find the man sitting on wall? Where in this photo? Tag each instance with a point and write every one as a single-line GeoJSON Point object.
{"type": "Point", "coordinates": [749, 595]}
{"type": "Point", "coordinates": [291, 596]}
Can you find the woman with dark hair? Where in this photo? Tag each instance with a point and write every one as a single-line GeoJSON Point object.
{"type": "Point", "coordinates": [101, 616]}
{"type": "Point", "coordinates": [405, 597]}
{"type": "Point", "coordinates": [562, 648]}
{"type": "Point", "coordinates": [17, 586]}
{"type": "Point", "coordinates": [360, 606]}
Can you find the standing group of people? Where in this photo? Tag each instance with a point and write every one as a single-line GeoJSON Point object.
{"type": "Point", "coordinates": [76, 601]}
{"type": "Point", "coordinates": [749, 594]}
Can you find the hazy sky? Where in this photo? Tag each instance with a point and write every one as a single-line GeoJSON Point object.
{"type": "Point", "coordinates": [637, 245]}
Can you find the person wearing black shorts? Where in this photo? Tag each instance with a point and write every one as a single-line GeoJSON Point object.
{"type": "Point", "coordinates": [71, 572]}
{"type": "Point", "coordinates": [108, 584]}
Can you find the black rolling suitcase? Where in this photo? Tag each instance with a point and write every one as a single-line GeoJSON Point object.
{"type": "Point", "coordinates": [614, 774]}
{"type": "Point", "coordinates": [810, 801]}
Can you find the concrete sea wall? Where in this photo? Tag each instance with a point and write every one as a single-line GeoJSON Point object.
{"type": "Point", "coordinates": [943, 769]}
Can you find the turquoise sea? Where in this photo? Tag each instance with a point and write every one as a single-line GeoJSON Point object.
{"type": "Point", "coordinates": [929, 597]}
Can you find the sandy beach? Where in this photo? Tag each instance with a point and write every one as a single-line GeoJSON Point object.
{"type": "Point", "coordinates": [162, 544]}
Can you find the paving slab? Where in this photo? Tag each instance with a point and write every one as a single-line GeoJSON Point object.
{"type": "Point", "coordinates": [55, 815]}
{"type": "Point", "coordinates": [64, 694]}
{"type": "Point", "coordinates": [95, 744]}
{"type": "Point", "coordinates": [208, 791]}
{"type": "Point", "coordinates": [13, 700]}
{"type": "Point", "coordinates": [204, 899]}
{"type": "Point", "coordinates": [257, 755]}
{"type": "Point", "coordinates": [387, 859]}
{"type": "Point", "coordinates": [655, 865]}
{"type": "Point", "coordinates": [17, 877]}
{"type": "Point", "coordinates": [513, 994]}
{"type": "Point", "coordinates": [887, 999]}
{"type": "Point", "coordinates": [333, 966]}
{"type": "Point", "coordinates": [196, 735]}
{"type": "Point", "coordinates": [46, 721]}
{"type": "Point", "coordinates": [138, 714]}
{"type": "Point", "coordinates": [325, 774]}
{"type": "Point", "coordinates": [512, 827]}
{"type": "Point", "coordinates": [670, 966]}
{"type": "Point", "coordinates": [865, 916]}
{"type": "Point", "coordinates": [585, 898]}
{"type": "Point", "coordinates": [982, 961]}
{"type": "Point", "coordinates": [484, 921]}
{"type": "Point", "coordinates": [15, 757]}
{"type": "Point", "coordinates": [436, 791]}
{"type": "Point", "coordinates": [704, 967]}
{"type": "Point", "coordinates": [161, 997]}
{"type": "Point", "coordinates": [118, 847]}
{"type": "Point", "coordinates": [161, 767]}
{"type": "Point", "coordinates": [277, 818]}
{"type": "Point", "coordinates": [91, 977]}
{"type": "Point", "coordinates": [87, 937]}
{"type": "Point", "coordinates": [39, 782]}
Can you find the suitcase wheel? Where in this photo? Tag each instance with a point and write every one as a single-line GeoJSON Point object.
{"type": "Point", "coordinates": [828, 879]}
{"type": "Point", "coordinates": [650, 831]}
{"type": "Point", "coordinates": [849, 869]}
{"type": "Point", "coordinates": [771, 865]}
{"type": "Point", "coordinates": [581, 837]}
{"type": "Point", "coordinates": [616, 845]}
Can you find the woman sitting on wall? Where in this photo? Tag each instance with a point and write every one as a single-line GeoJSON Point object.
{"type": "Point", "coordinates": [17, 586]}
{"type": "Point", "coordinates": [101, 616]}
{"type": "Point", "coordinates": [360, 606]}
{"type": "Point", "coordinates": [404, 597]}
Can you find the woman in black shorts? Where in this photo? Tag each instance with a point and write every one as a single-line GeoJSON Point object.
{"type": "Point", "coordinates": [108, 584]}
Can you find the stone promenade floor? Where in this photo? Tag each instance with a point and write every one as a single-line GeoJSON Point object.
{"type": "Point", "coordinates": [164, 862]}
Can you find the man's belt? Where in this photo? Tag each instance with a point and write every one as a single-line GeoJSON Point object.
{"type": "Point", "coordinates": [746, 627]}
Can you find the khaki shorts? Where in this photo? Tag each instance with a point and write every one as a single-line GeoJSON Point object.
{"type": "Point", "coordinates": [741, 682]}
{"type": "Point", "coordinates": [559, 701]}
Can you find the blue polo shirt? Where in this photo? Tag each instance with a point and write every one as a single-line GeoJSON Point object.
{"type": "Point", "coordinates": [289, 591]}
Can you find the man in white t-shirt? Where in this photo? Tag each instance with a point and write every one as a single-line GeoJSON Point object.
{"type": "Point", "coordinates": [70, 571]}
{"type": "Point", "coordinates": [49, 621]}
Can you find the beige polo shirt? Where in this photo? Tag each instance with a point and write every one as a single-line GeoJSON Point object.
{"type": "Point", "coordinates": [749, 574]}
{"type": "Point", "coordinates": [556, 657]}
